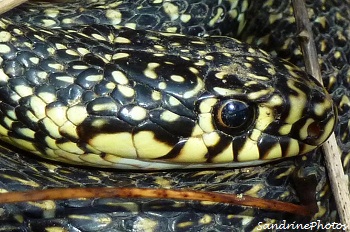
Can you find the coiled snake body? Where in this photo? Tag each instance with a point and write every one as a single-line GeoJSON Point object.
{"type": "Point", "coordinates": [105, 96]}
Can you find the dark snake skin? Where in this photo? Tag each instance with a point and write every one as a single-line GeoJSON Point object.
{"type": "Point", "coordinates": [273, 181]}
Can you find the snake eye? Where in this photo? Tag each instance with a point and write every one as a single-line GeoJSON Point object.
{"type": "Point", "coordinates": [233, 116]}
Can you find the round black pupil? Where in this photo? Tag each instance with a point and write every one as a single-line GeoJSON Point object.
{"type": "Point", "coordinates": [235, 114]}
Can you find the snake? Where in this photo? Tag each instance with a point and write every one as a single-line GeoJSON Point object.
{"type": "Point", "coordinates": [78, 88]}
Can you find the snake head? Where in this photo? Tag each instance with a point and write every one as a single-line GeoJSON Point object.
{"type": "Point", "coordinates": [264, 108]}
{"type": "Point", "coordinates": [222, 104]}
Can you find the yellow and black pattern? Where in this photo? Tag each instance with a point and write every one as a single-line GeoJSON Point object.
{"type": "Point", "coordinates": [105, 96]}
{"type": "Point", "coordinates": [330, 21]}
{"type": "Point", "coordinates": [277, 97]}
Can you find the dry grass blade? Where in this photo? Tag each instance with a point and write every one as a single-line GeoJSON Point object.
{"type": "Point", "coordinates": [338, 180]}
{"type": "Point", "coordinates": [6, 5]}
{"type": "Point", "coordinates": [70, 193]}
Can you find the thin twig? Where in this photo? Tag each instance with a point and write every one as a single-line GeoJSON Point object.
{"type": "Point", "coordinates": [337, 178]}
{"type": "Point", "coordinates": [6, 5]}
{"type": "Point", "coordinates": [235, 199]}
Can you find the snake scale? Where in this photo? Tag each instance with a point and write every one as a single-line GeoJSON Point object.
{"type": "Point", "coordinates": [272, 30]}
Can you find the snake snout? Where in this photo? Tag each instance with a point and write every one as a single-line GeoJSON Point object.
{"type": "Point", "coordinates": [318, 121]}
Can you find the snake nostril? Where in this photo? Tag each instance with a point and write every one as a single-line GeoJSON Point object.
{"type": "Point", "coordinates": [313, 130]}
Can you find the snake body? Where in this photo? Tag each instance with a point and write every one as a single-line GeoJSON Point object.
{"type": "Point", "coordinates": [277, 101]}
